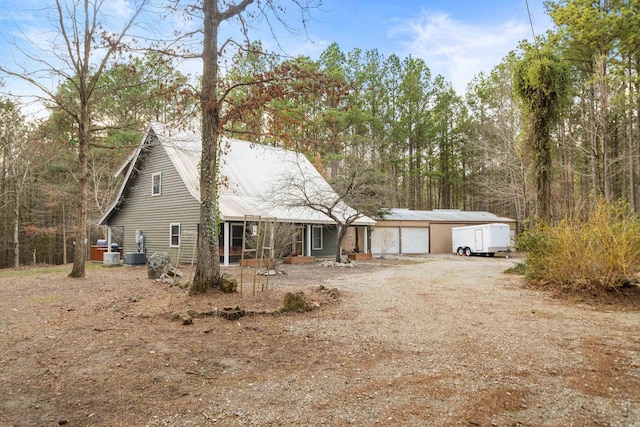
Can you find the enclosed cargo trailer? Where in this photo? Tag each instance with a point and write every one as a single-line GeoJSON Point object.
{"type": "Point", "coordinates": [485, 239]}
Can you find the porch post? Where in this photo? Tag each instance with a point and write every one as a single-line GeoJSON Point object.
{"type": "Point", "coordinates": [225, 240]}
{"type": "Point", "coordinates": [109, 237]}
{"type": "Point", "coordinates": [308, 240]}
{"type": "Point", "coordinates": [366, 240]}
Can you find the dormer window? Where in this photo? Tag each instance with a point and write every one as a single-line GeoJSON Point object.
{"type": "Point", "coordinates": [156, 184]}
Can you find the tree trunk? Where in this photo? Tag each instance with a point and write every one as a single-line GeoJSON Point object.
{"type": "Point", "coordinates": [208, 270]}
{"type": "Point", "coordinates": [80, 250]}
{"type": "Point", "coordinates": [630, 145]}
{"type": "Point", "coordinates": [604, 125]}
{"type": "Point", "coordinates": [64, 235]}
{"type": "Point", "coordinates": [16, 229]}
{"type": "Point", "coordinates": [342, 231]}
{"type": "Point", "coordinates": [412, 179]}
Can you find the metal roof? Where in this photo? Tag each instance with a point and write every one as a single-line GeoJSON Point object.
{"type": "Point", "coordinates": [443, 215]}
{"type": "Point", "coordinates": [252, 178]}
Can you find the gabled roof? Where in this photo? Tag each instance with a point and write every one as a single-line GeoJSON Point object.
{"type": "Point", "coordinates": [250, 174]}
{"type": "Point", "coordinates": [443, 215]}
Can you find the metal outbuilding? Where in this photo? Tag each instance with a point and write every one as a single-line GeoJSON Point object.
{"type": "Point", "coordinates": [404, 231]}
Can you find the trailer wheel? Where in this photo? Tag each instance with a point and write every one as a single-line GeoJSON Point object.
{"type": "Point", "coordinates": [490, 254]}
{"type": "Point", "coordinates": [467, 252]}
{"type": "Point", "coordinates": [460, 251]}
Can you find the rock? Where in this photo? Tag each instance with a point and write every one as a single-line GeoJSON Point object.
{"type": "Point", "coordinates": [164, 278]}
{"type": "Point", "coordinates": [294, 302]}
{"type": "Point", "coordinates": [333, 293]}
{"type": "Point", "coordinates": [228, 283]}
{"type": "Point", "coordinates": [174, 272]}
{"type": "Point", "coordinates": [159, 264]}
{"type": "Point", "coordinates": [231, 313]}
{"type": "Point", "coordinates": [348, 264]}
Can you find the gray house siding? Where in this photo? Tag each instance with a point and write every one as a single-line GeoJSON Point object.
{"type": "Point", "coordinates": [139, 208]}
{"type": "Point", "coordinates": [152, 215]}
{"type": "Point", "coordinates": [329, 243]}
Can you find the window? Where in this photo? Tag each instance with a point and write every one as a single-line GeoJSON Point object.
{"type": "Point", "coordinates": [156, 184]}
{"type": "Point", "coordinates": [175, 235]}
{"type": "Point", "coordinates": [237, 230]}
{"type": "Point", "coordinates": [316, 239]}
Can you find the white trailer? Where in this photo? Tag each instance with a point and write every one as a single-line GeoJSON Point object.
{"type": "Point", "coordinates": [486, 239]}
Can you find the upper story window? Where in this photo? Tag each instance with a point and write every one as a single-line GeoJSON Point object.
{"type": "Point", "coordinates": [156, 184]}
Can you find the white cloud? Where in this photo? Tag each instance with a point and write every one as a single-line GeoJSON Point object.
{"type": "Point", "coordinates": [459, 50]}
{"type": "Point", "coordinates": [119, 9]}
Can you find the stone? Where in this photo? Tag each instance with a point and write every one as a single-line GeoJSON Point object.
{"type": "Point", "coordinates": [228, 283]}
{"type": "Point", "coordinates": [294, 302]}
{"type": "Point", "coordinates": [174, 272]}
{"type": "Point", "coordinates": [231, 313]}
{"type": "Point", "coordinates": [159, 264]}
{"type": "Point", "coordinates": [333, 293]}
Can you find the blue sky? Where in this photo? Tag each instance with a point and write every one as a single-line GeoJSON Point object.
{"type": "Point", "coordinates": [456, 38]}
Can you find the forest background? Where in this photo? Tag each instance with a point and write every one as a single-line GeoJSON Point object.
{"type": "Point", "coordinates": [437, 149]}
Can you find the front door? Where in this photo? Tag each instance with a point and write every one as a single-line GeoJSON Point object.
{"type": "Point", "coordinates": [298, 241]}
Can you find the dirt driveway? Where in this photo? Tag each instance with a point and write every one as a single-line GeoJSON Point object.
{"type": "Point", "coordinates": [438, 341]}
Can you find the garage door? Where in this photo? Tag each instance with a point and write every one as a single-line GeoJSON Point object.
{"type": "Point", "coordinates": [385, 240]}
{"type": "Point", "coordinates": [415, 240]}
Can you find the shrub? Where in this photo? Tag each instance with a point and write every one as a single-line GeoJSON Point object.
{"type": "Point", "coordinates": [601, 252]}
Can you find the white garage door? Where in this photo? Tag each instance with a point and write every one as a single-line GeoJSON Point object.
{"type": "Point", "coordinates": [415, 240]}
{"type": "Point", "coordinates": [385, 240]}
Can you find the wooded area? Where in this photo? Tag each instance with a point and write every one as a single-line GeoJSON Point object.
{"type": "Point", "coordinates": [436, 149]}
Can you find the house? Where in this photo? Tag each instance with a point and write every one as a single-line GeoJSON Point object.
{"type": "Point", "coordinates": [158, 207]}
{"type": "Point", "coordinates": [404, 231]}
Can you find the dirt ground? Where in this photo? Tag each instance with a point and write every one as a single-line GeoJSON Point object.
{"type": "Point", "coordinates": [440, 341]}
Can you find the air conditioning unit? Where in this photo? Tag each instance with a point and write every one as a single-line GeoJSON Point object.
{"type": "Point", "coordinates": [134, 258]}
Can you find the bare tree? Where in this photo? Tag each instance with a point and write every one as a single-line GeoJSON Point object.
{"type": "Point", "coordinates": [355, 193]}
{"type": "Point", "coordinates": [83, 48]}
{"type": "Point", "coordinates": [278, 236]}
{"type": "Point", "coordinates": [16, 165]}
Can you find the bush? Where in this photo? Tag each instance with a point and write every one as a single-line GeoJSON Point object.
{"type": "Point", "coordinates": [600, 253]}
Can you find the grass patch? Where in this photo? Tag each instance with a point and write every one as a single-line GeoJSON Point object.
{"type": "Point", "coordinates": [520, 269]}
{"type": "Point", "coordinates": [45, 269]}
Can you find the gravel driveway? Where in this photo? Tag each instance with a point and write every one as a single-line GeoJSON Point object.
{"type": "Point", "coordinates": [436, 341]}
